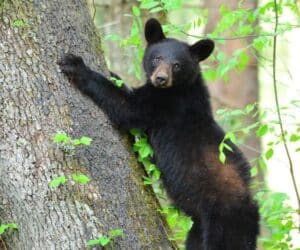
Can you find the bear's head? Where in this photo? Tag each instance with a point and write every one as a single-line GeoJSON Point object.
{"type": "Point", "coordinates": [168, 62]}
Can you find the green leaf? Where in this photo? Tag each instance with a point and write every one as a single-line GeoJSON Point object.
{"type": "Point", "coordinates": [18, 23]}
{"type": "Point", "coordinates": [222, 157]}
{"type": "Point", "coordinates": [228, 147]}
{"type": "Point", "coordinates": [260, 42]}
{"type": "Point", "coordinates": [93, 242]}
{"type": "Point", "coordinates": [244, 59]}
{"type": "Point", "coordinates": [4, 227]}
{"type": "Point", "coordinates": [145, 151]}
{"type": "Point", "coordinates": [118, 82]}
{"type": "Point", "coordinates": [156, 9]}
{"type": "Point", "coordinates": [147, 180]}
{"type": "Point", "coordinates": [157, 174]}
{"type": "Point", "coordinates": [209, 74]}
{"type": "Point", "coordinates": [12, 225]}
{"type": "Point", "coordinates": [148, 4]}
{"type": "Point", "coordinates": [294, 138]}
{"type": "Point", "coordinates": [116, 232]}
{"type": "Point", "coordinates": [253, 171]}
{"type": "Point", "coordinates": [152, 168]}
{"type": "Point", "coordinates": [104, 240]}
{"type": "Point", "coordinates": [58, 181]}
{"type": "Point", "coordinates": [136, 11]}
{"type": "Point", "coordinates": [85, 140]}
{"type": "Point", "coordinates": [61, 137]}
{"type": "Point", "coordinates": [231, 136]}
{"type": "Point", "coordinates": [263, 164]}
{"type": "Point", "coordinates": [262, 130]}
{"type": "Point", "coordinates": [172, 219]}
{"type": "Point", "coordinates": [252, 17]}
{"type": "Point", "coordinates": [250, 108]}
{"type": "Point", "coordinates": [81, 178]}
{"type": "Point", "coordinates": [76, 142]}
{"type": "Point", "coordinates": [269, 153]}
{"type": "Point", "coordinates": [221, 56]}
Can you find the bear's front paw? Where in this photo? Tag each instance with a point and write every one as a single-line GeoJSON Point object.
{"type": "Point", "coordinates": [71, 65]}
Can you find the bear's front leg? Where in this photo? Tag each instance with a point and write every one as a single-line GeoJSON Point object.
{"type": "Point", "coordinates": [117, 103]}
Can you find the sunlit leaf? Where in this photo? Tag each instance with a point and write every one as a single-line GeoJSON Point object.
{"type": "Point", "coordinates": [61, 137]}
{"type": "Point", "coordinates": [269, 153]}
{"type": "Point", "coordinates": [4, 227]}
{"type": "Point", "coordinates": [81, 178]}
{"type": "Point", "coordinates": [85, 140]}
{"type": "Point", "coordinates": [262, 130]}
{"type": "Point", "coordinates": [136, 11]}
{"type": "Point", "coordinates": [58, 181]}
{"type": "Point", "coordinates": [116, 232]}
{"type": "Point", "coordinates": [93, 242]}
{"type": "Point", "coordinates": [104, 240]}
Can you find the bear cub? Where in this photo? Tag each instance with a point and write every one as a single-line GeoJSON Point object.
{"type": "Point", "coordinates": [173, 109]}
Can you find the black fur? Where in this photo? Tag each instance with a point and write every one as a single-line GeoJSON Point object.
{"type": "Point", "coordinates": [185, 139]}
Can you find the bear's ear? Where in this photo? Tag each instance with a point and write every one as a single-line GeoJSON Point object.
{"type": "Point", "coordinates": [153, 31]}
{"type": "Point", "coordinates": [202, 49]}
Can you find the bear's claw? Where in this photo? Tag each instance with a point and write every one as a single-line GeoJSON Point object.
{"type": "Point", "coordinates": [70, 64]}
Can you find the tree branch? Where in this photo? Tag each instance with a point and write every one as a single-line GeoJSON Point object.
{"type": "Point", "coordinates": [228, 38]}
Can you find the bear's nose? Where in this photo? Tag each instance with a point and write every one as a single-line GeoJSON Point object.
{"type": "Point", "coordinates": [161, 80]}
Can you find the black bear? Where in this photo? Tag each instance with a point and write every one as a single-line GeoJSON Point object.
{"type": "Point", "coordinates": [173, 109]}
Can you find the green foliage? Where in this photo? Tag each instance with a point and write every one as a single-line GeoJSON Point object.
{"type": "Point", "coordinates": [4, 227]}
{"type": "Point", "coordinates": [115, 233]}
{"type": "Point", "coordinates": [104, 240]}
{"type": "Point", "coordinates": [118, 82]}
{"type": "Point", "coordinates": [154, 6]}
{"type": "Point", "coordinates": [231, 120]}
{"type": "Point", "coordinates": [230, 136]}
{"type": "Point", "coordinates": [145, 152]}
{"type": "Point", "coordinates": [58, 181]}
{"type": "Point", "coordinates": [262, 130]}
{"type": "Point", "coordinates": [277, 217]}
{"type": "Point", "coordinates": [276, 213]}
{"type": "Point", "coordinates": [178, 222]}
{"type": "Point", "coordinates": [61, 137]}
{"type": "Point", "coordinates": [69, 144]}
{"type": "Point", "coordinates": [18, 23]}
{"type": "Point", "coordinates": [77, 177]}
{"type": "Point", "coordinates": [86, 141]}
{"type": "Point", "coordinates": [80, 178]}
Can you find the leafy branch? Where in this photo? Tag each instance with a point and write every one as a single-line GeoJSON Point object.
{"type": "Point", "coordinates": [229, 38]}
{"type": "Point", "coordinates": [278, 107]}
{"type": "Point", "coordinates": [104, 240]}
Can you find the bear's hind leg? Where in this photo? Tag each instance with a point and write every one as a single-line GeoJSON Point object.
{"type": "Point", "coordinates": [194, 239]}
{"type": "Point", "coordinates": [234, 228]}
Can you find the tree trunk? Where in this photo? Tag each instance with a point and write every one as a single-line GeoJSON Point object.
{"type": "Point", "coordinates": [241, 90]}
{"type": "Point", "coordinates": [36, 101]}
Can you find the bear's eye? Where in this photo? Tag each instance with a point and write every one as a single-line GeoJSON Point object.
{"type": "Point", "coordinates": [156, 61]}
{"type": "Point", "coordinates": [176, 66]}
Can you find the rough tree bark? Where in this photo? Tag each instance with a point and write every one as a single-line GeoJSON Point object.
{"type": "Point", "coordinates": [36, 101]}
